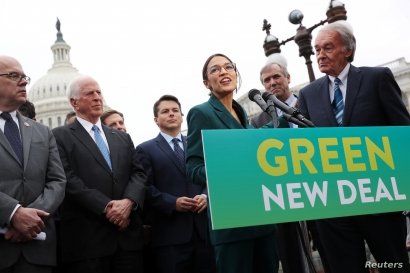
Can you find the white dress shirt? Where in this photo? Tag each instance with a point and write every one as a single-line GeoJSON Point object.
{"type": "Point", "coordinates": [88, 126]}
{"type": "Point", "coordinates": [343, 78]}
{"type": "Point", "coordinates": [169, 139]}
{"type": "Point", "coordinates": [2, 124]}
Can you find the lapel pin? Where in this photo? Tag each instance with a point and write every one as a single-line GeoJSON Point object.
{"type": "Point", "coordinates": [26, 124]}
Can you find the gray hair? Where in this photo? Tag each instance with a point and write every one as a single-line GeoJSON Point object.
{"type": "Point", "coordinates": [269, 64]}
{"type": "Point", "coordinates": [346, 33]}
{"type": "Point", "coordinates": [74, 87]}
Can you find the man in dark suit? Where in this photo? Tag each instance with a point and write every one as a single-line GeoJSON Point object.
{"type": "Point", "coordinates": [177, 207]}
{"type": "Point", "coordinates": [114, 119]}
{"type": "Point", "coordinates": [352, 96]}
{"type": "Point", "coordinates": [32, 180]}
{"type": "Point", "coordinates": [100, 228]}
{"type": "Point", "coordinates": [275, 78]}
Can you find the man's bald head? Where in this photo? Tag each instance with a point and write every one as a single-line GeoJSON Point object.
{"type": "Point", "coordinates": [13, 83]}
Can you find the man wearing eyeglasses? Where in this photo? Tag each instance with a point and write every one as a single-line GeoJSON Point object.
{"type": "Point", "coordinates": [32, 180]}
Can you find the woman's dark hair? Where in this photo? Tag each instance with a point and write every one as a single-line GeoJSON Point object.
{"type": "Point", "coordinates": [205, 68]}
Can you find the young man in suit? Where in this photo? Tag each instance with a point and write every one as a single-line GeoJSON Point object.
{"type": "Point", "coordinates": [32, 180]}
{"type": "Point", "coordinates": [100, 228]}
{"type": "Point", "coordinates": [176, 206]}
{"type": "Point", "coordinates": [114, 119]}
{"type": "Point", "coordinates": [355, 96]}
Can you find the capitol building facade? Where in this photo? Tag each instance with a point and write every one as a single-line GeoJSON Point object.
{"type": "Point", "coordinates": [49, 94]}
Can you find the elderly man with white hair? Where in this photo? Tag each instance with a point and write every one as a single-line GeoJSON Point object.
{"type": "Point", "coordinates": [101, 228]}
{"type": "Point", "coordinates": [350, 96]}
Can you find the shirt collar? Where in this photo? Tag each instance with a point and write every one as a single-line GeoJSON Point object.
{"type": "Point", "coordinates": [12, 114]}
{"type": "Point", "coordinates": [342, 76]}
{"type": "Point", "coordinates": [88, 125]}
{"type": "Point", "coordinates": [169, 138]}
{"type": "Point", "coordinates": [291, 101]}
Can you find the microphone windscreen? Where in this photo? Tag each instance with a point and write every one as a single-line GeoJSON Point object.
{"type": "Point", "coordinates": [266, 95]}
{"type": "Point", "coordinates": [252, 93]}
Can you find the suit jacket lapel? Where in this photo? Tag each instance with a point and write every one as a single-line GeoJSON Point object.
{"type": "Point", "coordinates": [352, 89]}
{"type": "Point", "coordinates": [26, 131]}
{"type": "Point", "coordinates": [82, 135]}
{"type": "Point", "coordinates": [325, 101]}
{"type": "Point", "coordinates": [223, 113]}
{"type": "Point", "coordinates": [164, 146]}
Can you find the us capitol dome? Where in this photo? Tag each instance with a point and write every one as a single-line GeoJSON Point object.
{"type": "Point", "coordinates": [49, 93]}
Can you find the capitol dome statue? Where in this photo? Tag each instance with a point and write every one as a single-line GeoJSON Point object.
{"type": "Point", "coordinates": [49, 93]}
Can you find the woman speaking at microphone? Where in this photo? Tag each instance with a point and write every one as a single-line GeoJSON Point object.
{"type": "Point", "coordinates": [237, 250]}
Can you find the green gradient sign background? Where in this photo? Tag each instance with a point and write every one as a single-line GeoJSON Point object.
{"type": "Point", "coordinates": [235, 177]}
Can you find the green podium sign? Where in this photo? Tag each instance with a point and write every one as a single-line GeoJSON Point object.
{"type": "Point", "coordinates": [265, 176]}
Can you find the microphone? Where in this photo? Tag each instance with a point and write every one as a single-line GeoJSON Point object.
{"type": "Point", "coordinates": [287, 116]}
{"type": "Point", "coordinates": [255, 96]}
{"type": "Point", "coordinates": [291, 111]}
{"type": "Point", "coordinates": [294, 120]}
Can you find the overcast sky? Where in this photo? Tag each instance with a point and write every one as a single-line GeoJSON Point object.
{"type": "Point", "coordinates": [140, 50]}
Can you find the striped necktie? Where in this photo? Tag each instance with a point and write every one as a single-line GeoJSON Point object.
{"type": "Point", "coordinates": [11, 131]}
{"type": "Point", "coordinates": [337, 103]}
{"type": "Point", "coordinates": [179, 152]}
{"type": "Point", "coordinates": [101, 145]}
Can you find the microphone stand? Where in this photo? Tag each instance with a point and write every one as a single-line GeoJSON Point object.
{"type": "Point", "coordinates": [271, 110]}
{"type": "Point", "coordinates": [294, 120]}
{"type": "Point", "coordinates": [294, 115]}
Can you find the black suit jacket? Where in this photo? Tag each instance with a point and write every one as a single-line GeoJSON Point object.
{"type": "Point", "coordinates": [84, 230]}
{"type": "Point", "coordinates": [373, 98]}
{"type": "Point", "coordinates": [167, 181]}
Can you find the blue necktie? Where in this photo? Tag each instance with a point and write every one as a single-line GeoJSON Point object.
{"type": "Point", "coordinates": [337, 103]}
{"type": "Point", "coordinates": [11, 131]}
{"type": "Point", "coordinates": [101, 145]}
{"type": "Point", "coordinates": [179, 152]}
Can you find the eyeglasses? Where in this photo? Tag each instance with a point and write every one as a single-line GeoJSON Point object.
{"type": "Point", "coordinates": [217, 69]}
{"type": "Point", "coordinates": [17, 77]}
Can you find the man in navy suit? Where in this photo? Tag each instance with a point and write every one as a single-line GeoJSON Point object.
{"type": "Point", "coordinates": [176, 206]}
{"type": "Point", "coordinates": [355, 96]}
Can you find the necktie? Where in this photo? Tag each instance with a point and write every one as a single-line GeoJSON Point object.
{"type": "Point", "coordinates": [101, 145]}
{"type": "Point", "coordinates": [179, 152]}
{"type": "Point", "coordinates": [337, 103]}
{"type": "Point", "coordinates": [11, 131]}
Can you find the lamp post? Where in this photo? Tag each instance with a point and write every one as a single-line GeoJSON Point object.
{"type": "Point", "coordinates": [303, 36]}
